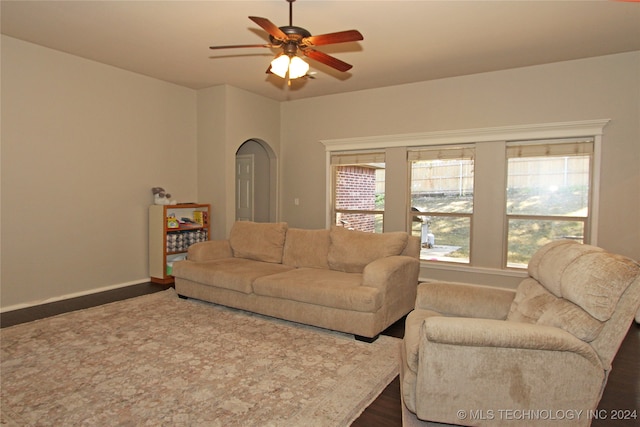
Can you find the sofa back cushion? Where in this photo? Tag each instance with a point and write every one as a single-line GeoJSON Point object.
{"type": "Point", "coordinates": [258, 241]}
{"type": "Point", "coordinates": [306, 248]}
{"type": "Point", "coordinates": [351, 250]}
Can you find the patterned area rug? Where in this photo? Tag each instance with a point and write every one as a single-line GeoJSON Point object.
{"type": "Point", "coordinates": [160, 360]}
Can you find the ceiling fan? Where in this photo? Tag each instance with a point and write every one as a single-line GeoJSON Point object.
{"type": "Point", "coordinates": [291, 40]}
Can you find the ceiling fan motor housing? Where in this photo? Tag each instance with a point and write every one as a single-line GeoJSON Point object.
{"type": "Point", "coordinates": [293, 33]}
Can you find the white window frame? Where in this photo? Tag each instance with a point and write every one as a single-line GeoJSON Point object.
{"type": "Point", "coordinates": [547, 149]}
{"type": "Point", "coordinates": [478, 136]}
{"type": "Point", "coordinates": [442, 152]}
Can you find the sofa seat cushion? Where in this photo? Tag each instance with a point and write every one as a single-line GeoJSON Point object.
{"type": "Point", "coordinates": [321, 287]}
{"type": "Point", "coordinates": [351, 250]}
{"type": "Point", "coordinates": [237, 274]}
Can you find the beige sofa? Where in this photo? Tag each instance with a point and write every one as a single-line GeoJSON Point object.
{"type": "Point", "coordinates": [539, 355]}
{"type": "Point", "coordinates": [349, 281]}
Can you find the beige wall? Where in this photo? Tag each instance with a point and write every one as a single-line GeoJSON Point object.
{"type": "Point", "coordinates": [598, 88]}
{"type": "Point", "coordinates": [227, 117]}
{"type": "Point", "coordinates": [82, 145]}
{"type": "Point", "coordinates": [213, 155]}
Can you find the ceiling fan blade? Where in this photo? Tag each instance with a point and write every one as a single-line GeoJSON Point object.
{"type": "Point", "coordinates": [327, 59]}
{"type": "Point", "coordinates": [269, 27]}
{"type": "Point", "coordinates": [233, 46]}
{"type": "Point", "coordinates": [331, 38]}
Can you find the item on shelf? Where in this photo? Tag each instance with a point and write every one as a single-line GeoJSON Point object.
{"type": "Point", "coordinates": [170, 263]}
{"type": "Point", "coordinates": [180, 242]}
{"type": "Point", "coordinates": [189, 223]}
{"type": "Point", "coordinates": [200, 217]}
{"type": "Point", "coordinates": [172, 222]}
{"type": "Point", "coordinates": [161, 197]}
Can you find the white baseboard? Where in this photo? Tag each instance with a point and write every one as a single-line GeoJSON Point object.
{"type": "Point", "coordinates": [72, 295]}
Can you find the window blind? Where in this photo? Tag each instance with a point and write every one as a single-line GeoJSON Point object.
{"type": "Point", "coordinates": [357, 158]}
{"type": "Point", "coordinates": [442, 153]}
{"type": "Point", "coordinates": [548, 148]}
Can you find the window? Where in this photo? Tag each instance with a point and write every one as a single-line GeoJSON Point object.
{"type": "Point", "coordinates": [481, 200]}
{"type": "Point", "coordinates": [548, 195]}
{"type": "Point", "coordinates": [358, 191]}
{"type": "Point", "coordinates": [442, 201]}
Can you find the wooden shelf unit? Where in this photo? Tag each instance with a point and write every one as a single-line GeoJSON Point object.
{"type": "Point", "coordinates": [170, 244]}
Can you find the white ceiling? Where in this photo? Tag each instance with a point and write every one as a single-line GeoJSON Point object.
{"type": "Point", "coordinates": [404, 41]}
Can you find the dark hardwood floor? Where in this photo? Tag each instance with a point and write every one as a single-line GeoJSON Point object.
{"type": "Point", "coordinates": [622, 392]}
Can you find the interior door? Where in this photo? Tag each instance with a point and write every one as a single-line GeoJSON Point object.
{"type": "Point", "coordinates": [244, 187]}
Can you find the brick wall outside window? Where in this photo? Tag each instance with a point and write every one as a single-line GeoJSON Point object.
{"type": "Point", "coordinates": [355, 190]}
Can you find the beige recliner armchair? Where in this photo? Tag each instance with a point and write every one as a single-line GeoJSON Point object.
{"type": "Point", "coordinates": [539, 355]}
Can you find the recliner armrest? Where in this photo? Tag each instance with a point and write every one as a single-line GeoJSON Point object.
{"type": "Point", "coordinates": [467, 332]}
{"type": "Point", "coordinates": [209, 250]}
{"type": "Point", "coordinates": [453, 299]}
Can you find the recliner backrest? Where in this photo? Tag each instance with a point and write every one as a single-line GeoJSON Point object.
{"type": "Point", "coordinates": [580, 288]}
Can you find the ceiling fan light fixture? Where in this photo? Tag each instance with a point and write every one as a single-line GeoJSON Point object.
{"type": "Point", "coordinates": [294, 65]}
{"type": "Point", "coordinates": [297, 67]}
{"type": "Point", "coordinates": [280, 66]}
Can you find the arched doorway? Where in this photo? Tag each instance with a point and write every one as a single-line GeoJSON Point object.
{"type": "Point", "coordinates": [256, 186]}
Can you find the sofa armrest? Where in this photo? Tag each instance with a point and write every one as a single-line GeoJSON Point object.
{"type": "Point", "coordinates": [391, 271]}
{"type": "Point", "coordinates": [459, 300]}
{"type": "Point", "coordinates": [209, 250]}
{"type": "Point", "coordinates": [396, 278]}
{"type": "Point", "coordinates": [467, 332]}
